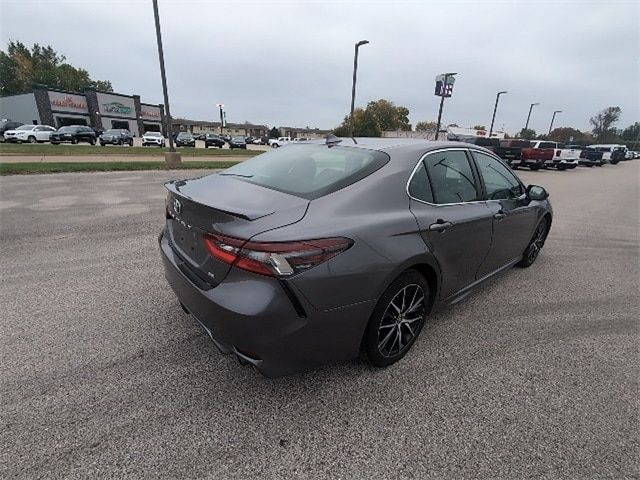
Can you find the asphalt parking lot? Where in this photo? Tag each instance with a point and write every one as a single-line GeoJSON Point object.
{"type": "Point", "coordinates": [102, 374]}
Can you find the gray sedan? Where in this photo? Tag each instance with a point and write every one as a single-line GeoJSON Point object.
{"type": "Point", "coordinates": [320, 252]}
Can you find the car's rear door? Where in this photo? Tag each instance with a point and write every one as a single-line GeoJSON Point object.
{"type": "Point", "coordinates": [513, 217]}
{"type": "Point", "coordinates": [454, 221]}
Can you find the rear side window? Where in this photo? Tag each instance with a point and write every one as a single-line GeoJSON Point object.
{"type": "Point", "coordinates": [451, 177]}
{"type": "Point", "coordinates": [309, 171]}
{"type": "Point", "coordinates": [419, 186]}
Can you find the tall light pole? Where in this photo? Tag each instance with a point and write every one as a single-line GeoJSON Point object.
{"type": "Point", "coordinates": [526, 127]}
{"type": "Point", "coordinates": [552, 119]}
{"type": "Point", "coordinates": [446, 77]}
{"type": "Point", "coordinates": [353, 87]}
{"type": "Point", "coordinates": [495, 108]}
{"type": "Point", "coordinates": [221, 106]}
{"type": "Point", "coordinates": [164, 76]}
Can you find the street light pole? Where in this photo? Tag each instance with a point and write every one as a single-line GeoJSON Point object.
{"type": "Point", "coordinates": [552, 119]}
{"type": "Point", "coordinates": [163, 75]}
{"type": "Point", "coordinates": [526, 127]}
{"type": "Point", "coordinates": [221, 106]}
{"type": "Point", "coordinates": [495, 108]}
{"type": "Point", "coordinates": [353, 87]}
{"type": "Point", "coordinates": [446, 76]}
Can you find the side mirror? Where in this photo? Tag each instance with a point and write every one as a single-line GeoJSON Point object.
{"type": "Point", "coordinates": [535, 192]}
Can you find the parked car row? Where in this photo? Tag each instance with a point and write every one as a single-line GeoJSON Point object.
{"type": "Point", "coordinates": [538, 154]}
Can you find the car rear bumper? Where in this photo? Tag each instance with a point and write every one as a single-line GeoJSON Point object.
{"type": "Point", "coordinates": [266, 324]}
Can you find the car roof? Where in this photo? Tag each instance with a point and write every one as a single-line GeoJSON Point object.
{"type": "Point", "coordinates": [394, 144]}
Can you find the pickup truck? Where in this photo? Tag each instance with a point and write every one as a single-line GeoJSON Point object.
{"type": "Point", "coordinates": [538, 154]}
{"type": "Point", "coordinates": [611, 153]}
{"type": "Point", "coordinates": [590, 157]}
{"type": "Point", "coordinates": [566, 157]}
{"type": "Point", "coordinates": [511, 150]}
{"type": "Point", "coordinates": [279, 142]}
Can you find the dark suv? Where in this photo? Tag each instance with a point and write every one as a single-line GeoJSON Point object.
{"type": "Point", "coordinates": [74, 134]}
{"type": "Point", "coordinates": [116, 136]}
{"type": "Point", "coordinates": [185, 139]}
{"type": "Point", "coordinates": [237, 142]}
{"type": "Point", "coordinates": [212, 140]}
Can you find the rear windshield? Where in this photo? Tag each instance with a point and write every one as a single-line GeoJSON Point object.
{"type": "Point", "coordinates": [309, 171]}
{"type": "Point", "coordinates": [67, 129]}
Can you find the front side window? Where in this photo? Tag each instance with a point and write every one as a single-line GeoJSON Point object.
{"type": "Point", "coordinates": [499, 182]}
{"type": "Point", "coordinates": [451, 177]}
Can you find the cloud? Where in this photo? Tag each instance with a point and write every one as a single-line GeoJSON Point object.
{"type": "Point", "coordinates": [290, 63]}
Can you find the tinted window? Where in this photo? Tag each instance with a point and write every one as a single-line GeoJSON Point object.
{"type": "Point", "coordinates": [67, 129]}
{"type": "Point", "coordinates": [547, 145]}
{"type": "Point", "coordinates": [451, 177]}
{"type": "Point", "coordinates": [309, 171]}
{"type": "Point", "coordinates": [419, 186]}
{"type": "Point", "coordinates": [499, 182]}
{"type": "Point", "coordinates": [487, 142]}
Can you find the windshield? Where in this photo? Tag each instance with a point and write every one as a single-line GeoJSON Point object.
{"type": "Point", "coordinates": [67, 129]}
{"type": "Point", "coordinates": [185, 135]}
{"type": "Point", "coordinates": [26, 127]}
{"type": "Point", "coordinates": [309, 171]}
{"type": "Point", "coordinates": [238, 139]}
{"type": "Point", "coordinates": [112, 132]}
{"type": "Point", "coordinates": [151, 134]}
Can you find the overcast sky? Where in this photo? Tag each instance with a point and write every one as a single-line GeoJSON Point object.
{"type": "Point", "coordinates": [290, 63]}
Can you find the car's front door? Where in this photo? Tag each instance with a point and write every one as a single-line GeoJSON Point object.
{"type": "Point", "coordinates": [454, 221]}
{"type": "Point", "coordinates": [513, 217]}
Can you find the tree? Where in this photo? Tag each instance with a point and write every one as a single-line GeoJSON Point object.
{"type": "Point", "coordinates": [389, 117]}
{"type": "Point", "coordinates": [479, 127]}
{"type": "Point", "coordinates": [21, 67]}
{"type": "Point", "coordinates": [603, 123]}
{"type": "Point", "coordinates": [274, 133]}
{"type": "Point", "coordinates": [631, 133]}
{"type": "Point", "coordinates": [527, 134]}
{"type": "Point", "coordinates": [426, 126]}
{"type": "Point", "coordinates": [570, 135]}
{"type": "Point", "coordinates": [364, 125]}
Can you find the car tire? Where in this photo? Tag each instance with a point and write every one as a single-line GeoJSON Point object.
{"type": "Point", "coordinates": [206, 146]}
{"type": "Point", "coordinates": [92, 141]}
{"type": "Point", "coordinates": [32, 139]}
{"type": "Point", "coordinates": [74, 141]}
{"type": "Point", "coordinates": [396, 320]}
{"type": "Point", "coordinates": [535, 245]}
{"type": "Point", "coordinates": [102, 144]}
{"type": "Point", "coordinates": [131, 143]}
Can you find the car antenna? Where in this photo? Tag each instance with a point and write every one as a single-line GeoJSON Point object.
{"type": "Point", "coordinates": [332, 140]}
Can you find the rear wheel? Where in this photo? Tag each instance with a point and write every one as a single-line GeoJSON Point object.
{"type": "Point", "coordinates": [535, 245]}
{"type": "Point", "coordinates": [534, 167]}
{"type": "Point", "coordinates": [397, 320]}
{"type": "Point", "coordinates": [74, 141]}
{"type": "Point", "coordinates": [92, 141]}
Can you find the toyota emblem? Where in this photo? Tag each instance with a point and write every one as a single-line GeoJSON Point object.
{"type": "Point", "coordinates": [177, 206]}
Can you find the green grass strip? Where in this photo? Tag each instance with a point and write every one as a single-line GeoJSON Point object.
{"type": "Point", "coordinates": [59, 167]}
{"type": "Point", "coordinates": [48, 149]}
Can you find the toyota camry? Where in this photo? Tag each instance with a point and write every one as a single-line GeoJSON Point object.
{"type": "Point", "coordinates": [333, 249]}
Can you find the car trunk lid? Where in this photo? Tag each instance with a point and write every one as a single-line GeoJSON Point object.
{"type": "Point", "coordinates": [226, 205]}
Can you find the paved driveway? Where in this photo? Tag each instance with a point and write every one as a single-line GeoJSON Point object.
{"type": "Point", "coordinates": [102, 374]}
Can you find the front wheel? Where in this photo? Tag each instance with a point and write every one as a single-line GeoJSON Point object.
{"type": "Point", "coordinates": [397, 320]}
{"type": "Point", "coordinates": [535, 245]}
{"type": "Point", "coordinates": [74, 141]}
{"type": "Point", "coordinates": [32, 139]}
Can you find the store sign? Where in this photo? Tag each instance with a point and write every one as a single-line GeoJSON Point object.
{"type": "Point", "coordinates": [66, 102]}
{"type": "Point", "coordinates": [150, 113]}
{"type": "Point", "coordinates": [444, 85]}
{"type": "Point", "coordinates": [116, 107]}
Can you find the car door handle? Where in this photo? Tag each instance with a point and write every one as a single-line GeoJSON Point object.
{"type": "Point", "coordinates": [439, 226]}
{"type": "Point", "coordinates": [500, 215]}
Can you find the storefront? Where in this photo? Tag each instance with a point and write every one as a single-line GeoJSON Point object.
{"type": "Point", "coordinates": [67, 109]}
{"type": "Point", "coordinates": [117, 111]}
{"type": "Point", "coordinates": [151, 118]}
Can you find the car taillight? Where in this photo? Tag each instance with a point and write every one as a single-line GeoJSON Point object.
{"type": "Point", "coordinates": [280, 259]}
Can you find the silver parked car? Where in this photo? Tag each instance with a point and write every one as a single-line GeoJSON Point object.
{"type": "Point", "coordinates": [319, 252]}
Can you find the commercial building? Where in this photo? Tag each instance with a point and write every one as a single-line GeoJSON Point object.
{"type": "Point", "coordinates": [100, 110]}
{"type": "Point", "coordinates": [202, 126]}
{"type": "Point", "coordinates": [295, 132]}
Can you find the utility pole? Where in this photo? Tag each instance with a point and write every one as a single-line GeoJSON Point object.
{"type": "Point", "coordinates": [526, 127]}
{"type": "Point", "coordinates": [174, 158]}
{"type": "Point", "coordinates": [552, 119]}
{"type": "Point", "coordinates": [494, 112]}
{"type": "Point", "coordinates": [221, 106]}
{"type": "Point", "coordinates": [353, 86]}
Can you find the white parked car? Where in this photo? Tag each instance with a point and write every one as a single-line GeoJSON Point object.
{"type": "Point", "coordinates": [29, 133]}
{"type": "Point", "coordinates": [279, 142]}
{"type": "Point", "coordinates": [612, 152]}
{"type": "Point", "coordinates": [154, 139]}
